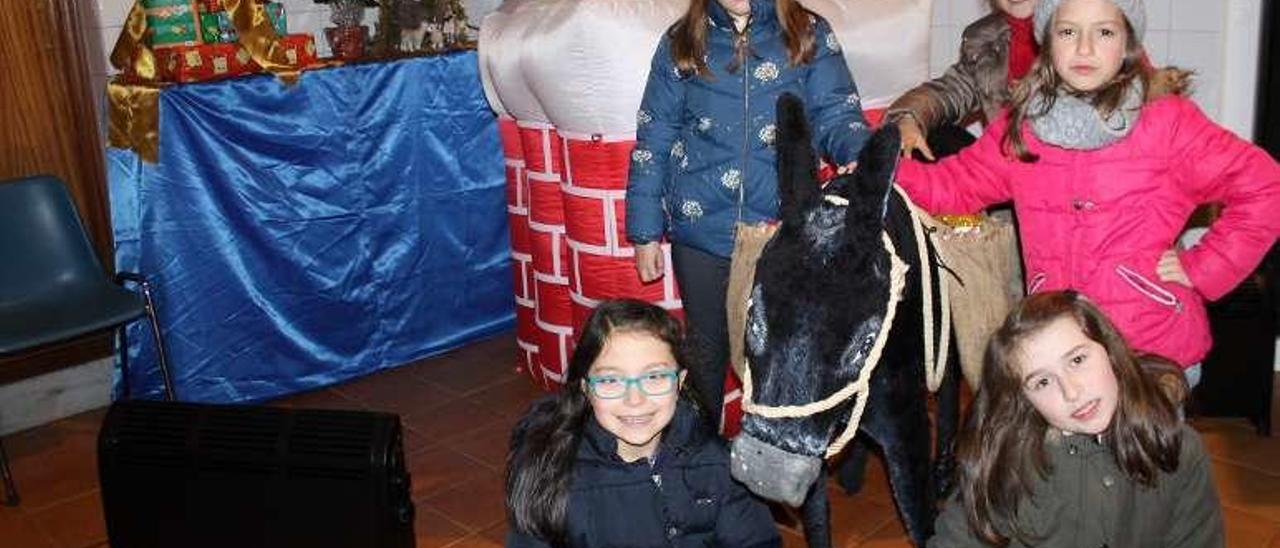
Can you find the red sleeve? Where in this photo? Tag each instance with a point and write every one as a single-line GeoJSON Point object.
{"type": "Point", "coordinates": [965, 183]}
{"type": "Point", "coordinates": [1215, 165]}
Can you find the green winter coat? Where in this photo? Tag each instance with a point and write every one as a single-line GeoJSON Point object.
{"type": "Point", "coordinates": [1088, 502]}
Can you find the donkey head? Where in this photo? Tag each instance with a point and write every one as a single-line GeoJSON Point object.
{"type": "Point", "coordinates": [818, 306]}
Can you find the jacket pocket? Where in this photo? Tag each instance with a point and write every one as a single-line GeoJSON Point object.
{"type": "Point", "coordinates": [1148, 288]}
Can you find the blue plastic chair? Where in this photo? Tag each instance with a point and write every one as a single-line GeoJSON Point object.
{"type": "Point", "coordinates": [52, 286]}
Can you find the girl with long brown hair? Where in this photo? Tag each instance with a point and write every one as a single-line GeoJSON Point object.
{"type": "Point", "coordinates": [703, 162]}
{"type": "Point", "coordinates": [1070, 442]}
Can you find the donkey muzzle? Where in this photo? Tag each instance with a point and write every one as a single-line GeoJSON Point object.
{"type": "Point", "coordinates": [771, 472]}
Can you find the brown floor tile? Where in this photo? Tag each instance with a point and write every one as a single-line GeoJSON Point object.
{"type": "Point", "coordinates": [476, 505]}
{"type": "Point", "coordinates": [885, 542]}
{"type": "Point", "coordinates": [497, 533]}
{"type": "Point", "coordinates": [435, 470]}
{"type": "Point", "coordinates": [445, 423]}
{"type": "Point", "coordinates": [396, 391]}
{"type": "Point", "coordinates": [875, 482]}
{"type": "Point", "coordinates": [476, 541]}
{"type": "Point", "coordinates": [792, 539]}
{"type": "Point", "coordinates": [856, 518]}
{"type": "Point", "coordinates": [433, 530]}
{"type": "Point", "coordinates": [472, 367]}
{"type": "Point", "coordinates": [487, 445]}
{"type": "Point", "coordinates": [1235, 441]}
{"type": "Point", "coordinates": [55, 462]}
{"type": "Point", "coordinates": [1243, 529]}
{"type": "Point", "coordinates": [510, 397]}
{"type": "Point", "coordinates": [74, 523]}
{"type": "Point", "coordinates": [324, 398]}
{"type": "Point", "coordinates": [1244, 488]}
{"type": "Point", "coordinates": [18, 529]}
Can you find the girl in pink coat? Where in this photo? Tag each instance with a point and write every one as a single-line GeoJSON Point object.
{"type": "Point", "coordinates": [1103, 179]}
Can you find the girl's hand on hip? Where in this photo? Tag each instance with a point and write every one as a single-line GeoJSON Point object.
{"type": "Point", "coordinates": [649, 262]}
{"type": "Point", "coordinates": [913, 138]}
{"type": "Point", "coordinates": [1170, 269]}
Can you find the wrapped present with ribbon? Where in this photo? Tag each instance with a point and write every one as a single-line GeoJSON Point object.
{"type": "Point", "coordinates": [299, 49]}
{"type": "Point", "coordinates": [260, 47]}
{"type": "Point", "coordinates": [204, 62]}
{"type": "Point", "coordinates": [275, 12]}
{"type": "Point", "coordinates": [216, 28]}
{"type": "Point", "coordinates": [172, 23]}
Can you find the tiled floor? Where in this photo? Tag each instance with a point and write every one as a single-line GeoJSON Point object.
{"type": "Point", "coordinates": [458, 409]}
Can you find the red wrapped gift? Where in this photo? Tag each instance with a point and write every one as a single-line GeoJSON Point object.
{"type": "Point", "coordinates": [299, 49]}
{"type": "Point", "coordinates": [204, 62]}
{"type": "Point", "coordinates": [209, 6]}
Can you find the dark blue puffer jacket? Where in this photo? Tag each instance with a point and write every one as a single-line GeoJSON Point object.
{"type": "Point", "coordinates": [686, 498]}
{"type": "Point", "coordinates": [704, 155]}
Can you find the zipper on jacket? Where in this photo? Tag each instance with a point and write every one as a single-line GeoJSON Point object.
{"type": "Point", "coordinates": [745, 37]}
{"type": "Point", "coordinates": [669, 528]}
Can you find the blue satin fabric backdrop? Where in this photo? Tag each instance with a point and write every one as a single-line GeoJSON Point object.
{"type": "Point", "coordinates": [301, 236]}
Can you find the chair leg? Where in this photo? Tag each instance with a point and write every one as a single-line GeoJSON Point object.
{"type": "Point", "coordinates": [160, 351]}
{"type": "Point", "coordinates": [10, 490]}
{"type": "Point", "coordinates": [124, 362]}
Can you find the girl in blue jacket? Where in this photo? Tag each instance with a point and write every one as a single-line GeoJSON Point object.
{"type": "Point", "coordinates": [622, 457]}
{"type": "Point", "coordinates": [704, 156]}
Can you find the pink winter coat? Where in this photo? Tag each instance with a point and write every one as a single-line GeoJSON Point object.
{"type": "Point", "coordinates": [1097, 221]}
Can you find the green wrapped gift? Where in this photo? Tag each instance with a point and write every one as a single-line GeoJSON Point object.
{"type": "Point", "coordinates": [216, 28]}
{"type": "Point", "coordinates": [172, 22]}
{"type": "Point", "coordinates": [275, 12]}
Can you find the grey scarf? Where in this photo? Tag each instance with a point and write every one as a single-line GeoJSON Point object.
{"type": "Point", "coordinates": [1074, 123]}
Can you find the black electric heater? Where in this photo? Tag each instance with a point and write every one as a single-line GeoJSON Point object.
{"type": "Point", "coordinates": [197, 475]}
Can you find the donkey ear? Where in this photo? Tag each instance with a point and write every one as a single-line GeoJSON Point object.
{"type": "Point", "coordinates": [797, 165]}
{"type": "Point", "coordinates": [873, 179]}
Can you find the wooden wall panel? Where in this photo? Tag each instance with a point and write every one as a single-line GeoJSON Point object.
{"type": "Point", "coordinates": [48, 125]}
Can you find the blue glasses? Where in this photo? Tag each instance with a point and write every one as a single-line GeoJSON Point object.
{"type": "Point", "coordinates": [653, 383]}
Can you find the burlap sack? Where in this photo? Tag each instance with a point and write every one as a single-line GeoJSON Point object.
{"type": "Point", "coordinates": [987, 282]}
{"type": "Point", "coordinates": [748, 243]}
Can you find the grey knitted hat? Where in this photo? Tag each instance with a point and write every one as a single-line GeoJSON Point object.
{"type": "Point", "coordinates": [1133, 10]}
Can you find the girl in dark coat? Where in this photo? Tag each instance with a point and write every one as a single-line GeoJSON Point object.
{"type": "Point", "coordinates": [623, 457]}
{"type": "Point", "coordinates": [1071, 442]}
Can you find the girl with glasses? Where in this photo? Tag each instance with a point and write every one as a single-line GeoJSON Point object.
{"type": "Point", "coordinates": [623, 456]}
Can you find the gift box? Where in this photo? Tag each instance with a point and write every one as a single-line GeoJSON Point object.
{"type": "Point", "coordinates": [299, 49]}
{"type": "Point", "coordinates": [204, 62]}
{"type": "Point", "coordinates": [275, 12]}
{"type": "Point", "coordinates": [216, 28]}
{"type": "Point", "coordinates": [172, 23]}
{"type": "Point", "coordinates": [209, 6]}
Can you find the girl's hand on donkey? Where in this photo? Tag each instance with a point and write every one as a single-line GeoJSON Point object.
{"type": "Point", "coordinates": [649, 262]}
{"type": "Point", "coordinates": [913, 138]}
{"type": "Point", "coordinates": [1170, 269]}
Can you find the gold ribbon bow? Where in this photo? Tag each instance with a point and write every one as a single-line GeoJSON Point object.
{"type": "Point", "coordinates": [134, 106]}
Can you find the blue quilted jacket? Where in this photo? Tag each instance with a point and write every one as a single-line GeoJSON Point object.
{"type": "Point", "coordinates": [704, 154]}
